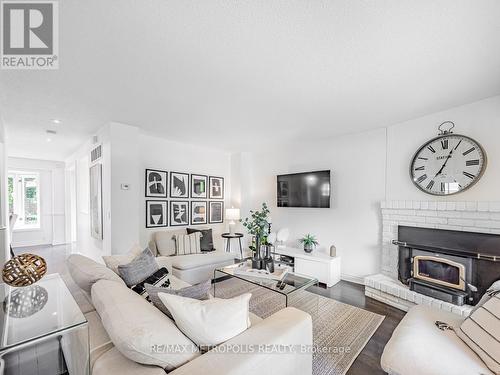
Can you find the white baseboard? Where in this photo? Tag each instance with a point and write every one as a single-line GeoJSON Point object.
{"type": "Point", "coordinates": [353, 279]}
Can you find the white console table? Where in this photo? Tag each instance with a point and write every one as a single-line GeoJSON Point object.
{"type": "Point", "coordinates": [316, 264]}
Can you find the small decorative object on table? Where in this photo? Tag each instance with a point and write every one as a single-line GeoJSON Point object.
{"type": "Point", "coordinates": [268, 259]}
{"type": "Point", "coordinates": [258, 226]}
{"type": "Point", "coordinates": [233, 215]}
{"type": "Point", "coordinates": [333, 251]}
{"type": "Point", "coordinates": [282, 237]}
{"type": "Point", "coordinates": [278, 274]}
{"type": "Point", "coordinates": [24, 270]}
{"type": "Point", "coordinates": [309, 241]}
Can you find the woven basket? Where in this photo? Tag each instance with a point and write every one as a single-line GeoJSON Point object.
{"type": "Point", "coordinates": [24, 270]}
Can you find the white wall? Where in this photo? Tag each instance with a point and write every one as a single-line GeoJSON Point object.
{"type": "Point", "coordinates": [80, 162]}
{"type": "Point", "coordinates": [52, 203]}
{"type": "Point", "coordinates": [162, 154]}
{"type": "Point", "coordinates": [126, 154]}
{"type": "Point", "coordinates": [479, 120]}
{"type": "Point", "coordinates": [125, 169]}
{"type": "Point", "coordinates": [367, 168]}
{"type": "Point", "coordinates": [357, 163]}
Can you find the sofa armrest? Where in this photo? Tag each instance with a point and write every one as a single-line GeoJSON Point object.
{"type": "Point", "coordinates": [280, 344]}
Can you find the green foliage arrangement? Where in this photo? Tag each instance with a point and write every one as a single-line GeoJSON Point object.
{"type": "Point", "coordinates": [309, 240]}
{"type": "Point", "coordinates": [257, 224]}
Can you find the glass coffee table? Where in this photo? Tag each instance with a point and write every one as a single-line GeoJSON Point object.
{"type": "Point", "coordinates": [291, 283]}
{"type": "Point", "coordinates": [42, 330]}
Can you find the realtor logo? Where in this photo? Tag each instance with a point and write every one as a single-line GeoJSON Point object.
{"type": "Point", "coordinates": [29, 35]}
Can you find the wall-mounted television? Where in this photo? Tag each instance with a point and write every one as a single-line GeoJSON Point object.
{"type": "Point", "coordinates": [308, 189]}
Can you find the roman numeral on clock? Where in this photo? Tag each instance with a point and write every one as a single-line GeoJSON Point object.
{"type": "Point", "coordinates": [422, 178]}
{"type": "Point", "coordinates": [430, 185]}
{"type": "Point", "coordinates": [470, 175]}
{"type": "Point", "coordinates": [431, 149]}
{"type": "Point", "coordinates": [420, 168]}
{"type": "Point", "coordinates": [444, 144]}
{"type": "Point", "coordinates": [468, 151]}
{"type": "Point", "coordinates": [472, 162]}
{"type": "Point", "coordinates": [443, 187]}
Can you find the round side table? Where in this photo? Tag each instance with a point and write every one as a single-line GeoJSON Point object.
{"type": "Point", "coordinates": [229, 237]}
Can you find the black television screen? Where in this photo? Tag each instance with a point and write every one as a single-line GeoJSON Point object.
{"type": "Point", "coordinates": [309, 189]}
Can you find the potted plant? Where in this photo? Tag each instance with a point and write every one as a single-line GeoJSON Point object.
{"type": "Point", "coordinates": [309, 241]}
{"type": "Point", "coordinates": [258, 226]}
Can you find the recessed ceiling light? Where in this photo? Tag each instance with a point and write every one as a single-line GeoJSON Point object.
{"type": "Point", "coordinates": [49, 139]}
{"type": "Point", "coordinates": [56, 121]}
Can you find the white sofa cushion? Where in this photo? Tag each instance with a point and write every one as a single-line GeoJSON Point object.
{"type": "Point", "coordinates": [200, 291]}
{"type": "Point", "coordinates": [210, 322]}
{"type": "Point", "coordinates": [186, 244]}
{"type": "Point", "coordinates": [164, 241]}
{"type": "Point", "coordinates": [85, 272]}
{"type": "Point", "coordinates": [139, 330]}
{"type": "Point", "coordinates": [113, 261]}
{"type": "Point", "coordinates": [418, 347]}
{"type": "Point", "coordinates": [187, 262]}
{"type": "Point", "coordinates": [481, 332]}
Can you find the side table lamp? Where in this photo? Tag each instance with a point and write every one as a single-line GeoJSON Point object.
{"type": "Point", "coordinates": [233, 215]}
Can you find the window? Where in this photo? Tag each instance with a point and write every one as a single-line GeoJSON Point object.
{"type": "Point", "coordinates": [24, 199]}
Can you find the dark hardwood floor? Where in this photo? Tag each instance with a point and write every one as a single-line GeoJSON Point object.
{"type": "Point", "coordinates": [368, 361]}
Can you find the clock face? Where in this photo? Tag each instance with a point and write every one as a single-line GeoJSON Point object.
{"type": "Point", "coordinates": [448, 165]}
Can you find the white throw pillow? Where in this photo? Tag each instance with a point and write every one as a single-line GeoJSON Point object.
{"type": "Point", "coordinates": [481, 332]}
{"type": "Point", "coordinates": [113, 261]}
{"type": "Point", "coordinates": [211, 322]}
{"type": "Point", "coordinates": [186, 244]}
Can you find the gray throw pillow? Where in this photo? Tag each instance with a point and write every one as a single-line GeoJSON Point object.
{"type": "Point", "coordinates": [139, 269]}
{"type": "Point", "coordinates": [207, 241]}
{"type": "Point", "coordinates": [199, 291]}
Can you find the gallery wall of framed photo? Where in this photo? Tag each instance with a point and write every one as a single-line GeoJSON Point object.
{"type": "Point", "coordinates": [178, 199]}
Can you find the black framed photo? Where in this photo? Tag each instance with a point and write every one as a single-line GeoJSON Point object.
{"type": "Point", "coordinates": [179, 213]}
{"type": "Point", "coordinates": [216, 187]}
{"type": "Point", "coordinates": [156, 214]}
{"type": "Point", "coordinates": [179, 185]}
{"type": "Point", "coordinates": [199, 185]}
{"type": "Point", "coordinates": [199, 212]}
{"type": "Point", "coordinates": [216, 212]}
{"type": "Point", "coordinates": [156, 183]}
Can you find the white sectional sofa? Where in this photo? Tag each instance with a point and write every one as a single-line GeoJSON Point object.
{"type": "Point", "coordinates": [192, 269]}
{"type": "Point", "coordinates": [418, 347]}
{"type": "Point", "coordinates": [124, 327]}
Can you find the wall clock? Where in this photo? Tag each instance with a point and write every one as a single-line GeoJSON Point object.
{"type": "Point", "coordinates": [448, 164]}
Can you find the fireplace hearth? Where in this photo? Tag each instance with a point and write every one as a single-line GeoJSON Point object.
{"type": "Point", "coordinates": [453, 266]}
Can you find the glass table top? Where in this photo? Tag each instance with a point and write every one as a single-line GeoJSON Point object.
{"type": "Point", "coordinates": [36, 311]}
{"type": "Point", "coordinates": [293, 282]}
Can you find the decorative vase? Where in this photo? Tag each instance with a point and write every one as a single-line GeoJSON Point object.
{"type": "Point", "coordinates": [308, 248]}
{"type": "Point", "coordinates": [268, 260]}
{"type": "Point", "coordinates": [333, 251]}
{"type": "Point", "coordinates": [257, 259]}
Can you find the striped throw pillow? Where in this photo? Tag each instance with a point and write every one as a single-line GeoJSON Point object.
{"type": "Point", "coordinates": [481, 332]}
{"type": "Point", "coordinates": [186, 244]}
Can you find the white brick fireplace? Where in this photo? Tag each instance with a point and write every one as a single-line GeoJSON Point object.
{"type": "Point", "coordinates": [481, 217]}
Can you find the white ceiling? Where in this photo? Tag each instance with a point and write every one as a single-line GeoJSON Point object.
{"type": "Point", "coordinates": [245, 74]}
